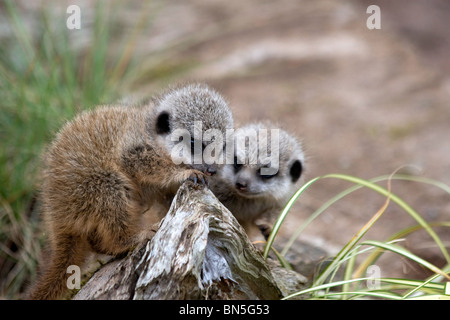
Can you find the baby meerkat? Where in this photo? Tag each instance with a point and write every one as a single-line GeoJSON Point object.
{"type": "Point", "coordinates": [253, 193]}
{"type": "Point", "coordinates": [108, 169]}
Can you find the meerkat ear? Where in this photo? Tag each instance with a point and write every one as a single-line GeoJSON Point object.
{"type": "Point", "coordinates": [296, 170]}
{"type": "Point", "coordinates": [163, 123]}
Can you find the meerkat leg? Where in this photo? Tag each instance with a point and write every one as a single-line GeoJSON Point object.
{"type": "Point", "coordinates": [119, 223]}
{"type": "Point", "coordinates": [117, 233]}
{"type": "Point", "coordinates": [66, 250]}
{"type": "Point", "coordinates": [109, 222]}
{"type": "Point", "coordinates": [116, 237]}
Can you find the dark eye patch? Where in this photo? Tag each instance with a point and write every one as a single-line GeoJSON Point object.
{"type": "Point", "coordinates": [296, 170]}
{"type": "Point", "coordinates": [267, 176]}
{"type": "Point", "coordinates": [163, 123]}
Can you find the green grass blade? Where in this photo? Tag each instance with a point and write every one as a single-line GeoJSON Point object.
{"type": "Point", "coordinates": [343, 254]}
{"type": "Point", "coordinates": [313, 216]}
{"type": "Point", "coordinates": [401, 234]}
{"type": "Point", "coordinates": [436, 183]}
{"type": "Point", "coordinates": [385, 292]}
{"type": "Point", "coordinates": [397, 200]}
{"type": "Point", "coordinates": [403, 205]}
{"type": "Point", "coordinates": [21, 34]}
{"type": "Point", "coordinates": [407, 254]}
{"type": "Point", "coordinates": [283, 215]}
{"type": "Point", "coordinates": [413, 283]}
{"type": "Point", "coordinates": [355, 294]}
{"type": "Point", "coordinates": [349, 271]}
{"type": "Point", "coordinates": [351, 244]}
{"type": "Point", "coordinates": [431, 297]}
{"type": "Point", "coordinates": [420, 286]}
{"type": "Point", "coordinates": [352, 189]}
{"type": "Point", "coordinates": [324, 287]}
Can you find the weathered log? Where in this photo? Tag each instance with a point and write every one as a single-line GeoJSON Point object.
{"type": "Point", "coordinates": [199, 252]}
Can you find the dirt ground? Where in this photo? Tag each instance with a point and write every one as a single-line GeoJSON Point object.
{"type": "Point", "coordinates": [364, 102]}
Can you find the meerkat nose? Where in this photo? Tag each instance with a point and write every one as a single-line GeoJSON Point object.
{"type": "Point", "coordinates": [210, 171]}
{"type": "Point", "coordinates": [241, 185]}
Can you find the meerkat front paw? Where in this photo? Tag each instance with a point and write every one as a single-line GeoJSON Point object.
{"type": "Point", "coordinates": [197, 176]}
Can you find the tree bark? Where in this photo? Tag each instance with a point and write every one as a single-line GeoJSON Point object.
{"type": "Point", "coordinates": [199, 252]}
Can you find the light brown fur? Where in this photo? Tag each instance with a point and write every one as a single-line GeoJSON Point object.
{"type": "Point", "coordinates": [109, 178]}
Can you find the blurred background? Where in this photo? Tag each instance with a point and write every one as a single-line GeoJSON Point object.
{"type": "Point", "coordinates": [363, 102]}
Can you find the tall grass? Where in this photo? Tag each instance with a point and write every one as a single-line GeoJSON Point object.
{"type": "Point", "coordinates": [45, 78]}
{"type": "Point", "coordinates": [354, 284]}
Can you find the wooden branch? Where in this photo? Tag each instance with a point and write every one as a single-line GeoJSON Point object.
{"type": "Point", "coordinates": [199, 252]}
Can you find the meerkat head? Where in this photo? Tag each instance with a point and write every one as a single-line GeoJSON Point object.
{"type": "Point", "coordinates": [191, 123]}
{"type": "Point", "coordinates": [267, 163]}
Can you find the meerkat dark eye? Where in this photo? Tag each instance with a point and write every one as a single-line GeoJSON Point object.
{"type": "Point", "coordinates": [163, 123]}
{"type": "Point", "coordinates": [296, 170]}
{"type": "Point", "coordinates": [266, 176]}
{"type": "Point", "coordinates": [237, 166]}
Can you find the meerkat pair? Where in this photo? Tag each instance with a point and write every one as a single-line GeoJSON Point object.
{"type": "Point", "coordinates": [109, 178]}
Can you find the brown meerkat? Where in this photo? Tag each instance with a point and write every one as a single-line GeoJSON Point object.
{"type": "Point", "coordinates": [107, 169]}
{"type": "Point", "coordinates": [253, 196]}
